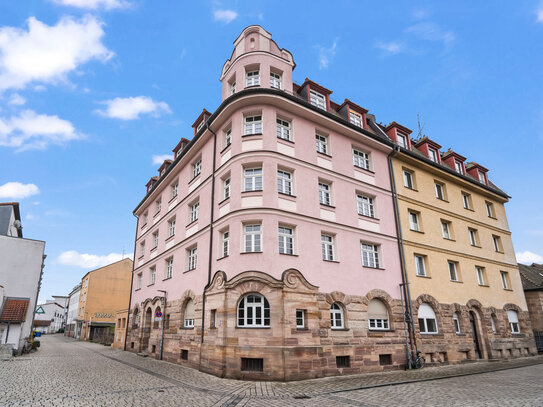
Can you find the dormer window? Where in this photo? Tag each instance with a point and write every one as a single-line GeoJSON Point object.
{"type": "Point", "coordinates": [432, 154]}
{"type": "Point", "coordinates": [355, 119]}
{"type": "Point", "coordinates": [402, 140]}
{"type": "Point", "coordinates": [317, 99]}
{"type": "Point", "coordinates": [482, 178]}
{"type": "Point", "coordinates": [458, 167]}
{"type": "Point", "coordinates": [200, 126]}
{"type": "Point", "coordinates": [275, 80]}
{"type": "Point", "coordinates": [252, 78]}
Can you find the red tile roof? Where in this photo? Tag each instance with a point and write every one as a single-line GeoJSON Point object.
{"type": "Point", "coordinates": [14, 310]}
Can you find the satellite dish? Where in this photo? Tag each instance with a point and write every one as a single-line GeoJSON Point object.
{"type": "Point", "coordinates": [17, 224]}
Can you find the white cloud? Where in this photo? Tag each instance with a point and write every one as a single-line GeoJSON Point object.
{"type": "Point", "coordinates": [29, 216]}
{"type": "Point", "coordinates": [392, 47]}
{"type": "Point", "coordinates": [88, 261]}
{"type": "Point", "coordinates": [16, 190]}
{"type": "Point", "coordinates": [130, 108]}
{"type": "Point", "coordinates": [30, 130]}
{"type": "Point", "coordinates": [159, 159]}
{"type": "Point", "coordinates": [94, 4]}
{"type": "Point", "coordinates": [226, 16]}
{"type": "Point", "coordinates": [431, 32]}
{"type": "Point", "coordinates": [528, 257]}
{"type": "Point", "coordinates": [326, 55]}
{"type": "Point", "coordinates": [539, 14]}
{"type": "Point", "coordinates": [16, 100]}
{"type": "Point", "coordinates": [48, 53]}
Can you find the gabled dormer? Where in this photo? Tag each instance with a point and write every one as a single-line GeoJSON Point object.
{"type": "Point", "coordinates": [180, 147]}
{"type": "Point", "coordinates": [164, 167]}
{"type": "Point", "coordinates": [353, 113]}
{"type": "Point", "coordinates": [430, 149]}
{"type": "Point", "coordinates": [399, 134]}
{"type": "Point", "coordinates": [455, 161]}
{"type": "Point", "coordinates": [478, 172]}
{"type": "Point", "coordinates": [315, 94]}
{"type": "Point", "coordinates": [151, 183]}
{"type": "Point", "coordinates": [201, 121]}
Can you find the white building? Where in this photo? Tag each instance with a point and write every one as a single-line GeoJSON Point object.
{"type": "Point", "coordinates": [21, 265]}
{"type": "Point", "coordinates": [73, 326]}
{"type": "Point", "coordinates": [52, 315]}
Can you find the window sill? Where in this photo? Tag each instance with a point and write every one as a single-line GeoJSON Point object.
{"type": "Point", "coordinates": [416, 231]}
{"type": "Point", "coordinates": [456, 281]}
{"type": "Point", "coordinates": [149, 285]}
{"type": "Point", "coordinates": [141, 257]}
{"type": "Point", "coordinates": [252, 135]}
{"type": "Point", "coordinates": [469, 209]}
{"type": "Point", "coordinates": [418, 275]}
{"type": "Point", "coordinates": [373, 268]}
{"type": "Point", "coordinates": [483, 285]}
{"type": "Point", "coordinates": [137, 289]}
{"type": "Point", "coordinates": [186, 328]}
{"type": "Point", "coordinates": [144, 225]}
{"type": "Point", "coordinates": [493, 217]}
{"type": "Point", "coordinates": [284, 195]}
{"type": "Point", "coordinates": [172, 198]}
{"type": "Point", "coordinates": [499, 251]}
{"type": "Point", "coordinates": [192, 223]}
{"type": "Point", "coordinates": [251, 252]}
{"type": "Point", "coordinates": [508, 289]}
{"type": "Point", "coordinates": [252, 86]}
{"type": "Point", "coordinates": [449, 239]}
{"type": "Point", "coordinates": [289, 254]}
{"type": "Point", "coordinates": [170, 238]}
{"type": "Point", "coordinates": [167, 278]}
{"type": "Point", "coordinates": [412, 189]}
{"type": "Point", "coordinates": [256, 191]}
{"type": "Point", "coordinates": [194, 179]}
{"type": "Point", "coordinates": [325, 155]}
{"type": "Point", "coordinates": [327, 206]}
{"type": "Point", "coordinates": [284, 140]}
{"type": "Point", "coordinates": [156, 214]}
{"type": "Point", "coordinates": [189, 270]}
{"type": "Point", "coordinates": [253, 327]}
{"type": "Point", "coordinates": [430, 334]}
{"type": "Point", "coordinates": [340, 329]}
{"type": "Point", "coordinates": [226, 148]}
{"type": "Point", "coordinates": [366, 217]}
{"type": "Point", "coordinates": [362, 169]}
{"type": "Point", "coordinates": [223, 257]}
{"type": "Point", "coordinates": [302, 329]}
{"type": "Point", "coordinates": [330, 261]}
{"type": "Point", "coordinates": [153, 249]}
{"type": "Point", "coordinates": [442, 200]}
{"type": "Point", "coordinates": [477, 246]}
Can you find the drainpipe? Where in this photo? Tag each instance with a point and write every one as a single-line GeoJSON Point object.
{"type": "Point", "coordinates": [408, 314]}
{"type": "Point", "coordinates": [131, 285]}
{"type": "Point", "coordinates": [163, 321]}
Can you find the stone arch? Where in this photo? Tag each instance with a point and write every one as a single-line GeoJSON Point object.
{"type": "Point", "coordinates": [148, 316]}
{"type": "Point", "coordinates": [458, 309]}
{"type": "Point", "coordinates": [480, 322]}
{"type": "Point", "coordinates": [217, 282]}
{"type": "Point", "coordinates": [434, 304]}
{"type": "Point", "coordinates": [338, 296]}
{"type": "Point", "coordinates": [385, 298]}
{"type": "Point", "coordinates": [185, 298]}
{"type": "Point", "coordinates": [294, 279]}
{"type": "Point", "coordinates": [253, 280]}
{"type": "Point", "coordinates": [522, 319]}
{"type": "Point", "coordinates": [344, 314]}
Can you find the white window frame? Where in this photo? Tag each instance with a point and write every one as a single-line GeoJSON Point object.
{"type": "Point", "coordinates": [300, 319]}
{"type": "Point", "coordinates": [252, 238]}
{"type": "Point", "coordinates": [472, 236]}
{"type": "Point", "coordinates": [355, 118]}
{"type": "Point", "coordinates": [275, 80]}
{"type": "Point", "coordinates": [158, 203]}
{"type": "Point", "coordinates": [197, 168]}
{"type": "Point", "coordinates": [227, 137]}
{"type": "Point", "coordinates": [490, 209]}
{"type": "Point", "coordinates": [503, 276]}
{"type": "Point", "coordinates": [327, 247]}
{"type": "Point", "coordinates": [282, 129]}
{"type": "Point", "coordinates": [480, 272]}
{"type": "Point", "coordinates": [482, 178]}
{"type": "Point", "coordinates": [493, 324]}
{"type": "Point", "coordinates": [424, 328]}
{"type": "Point", "coordinates": [188, 323]}
{"type": "Point", "coordinates": [337, 317]}
{"type": "Point", "coordinates": [225, 243]}
{"type": "Point", "coordinates": [361, 159]}
{"type": "Point", "coordinates": [453, 270]}
{"type": "Point", "coordinates": [155, 239]}
{"type": "Point", "coordinates": [226, 188]}
{"type": "Point", "coordinates": [317, 99]}
{"type": "Point", "coordinates": [252, 78]}
{"type": "Point", "coordinates": [175, 189]}
{"type": "Point", "coordinates": [169, 268]}
{"type": "Point", "coordinates": [440, 190]}
{"type": "Point", "coordinates": [402, 140]}
{"type": "Point", "coordinates": [142, 249]}
{"type": "Point", "coordinates": [252, 125]}
{"type": "Point", "coordinates": [152, 275]}
{"type": "Point", "coordinates": [254, 307]}
{"type": "Point", "coordinates": [192, 258]}
{"type": "Point", "coordinates": [446, 230]}
{"type": "Point", "coordinates": [284, 182]}
{"type": "Point", "coordinates": [512, 318]}
{"type": "Point", "coordinates": [432, 154]}
{"type": "Point", "coordinates": [496, 240]}
{"type": "Point", "coordinates": [414, 223]}
{"type": "Point", "coordinates": [194, 212]}
{"type": "Point", "coordinates": [408, 180]}
{"type": "Point", "coordinates": [365, 205]}
{"type": "Point", "coordinates": [420, 265]}
{"type": "Point", "coordinates": [252, 179]}
{"type": "Point", "coordinates": [321, 142]}
{"type": "Point", "coordinates": [370, 255]}
{"type": "Point", "coordinates": [458, 167]}
{"type": "Point", "coordinates": [171, 227]}
{"type": "Point", "coordinates": [325, 197]}
{"type": "Point", "coordinates": [456, 322]}
{"type": "Point", "coordinates": [466, 200]}
{"type": "Point", "coordinates": [286, 239]}
{"type": "Point", "coordinates": [139, 283]}
{"type": "Point", "coordinates": [233, 88]}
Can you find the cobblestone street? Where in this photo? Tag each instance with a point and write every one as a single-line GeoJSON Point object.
{"type": "Point", "coordinates": [65, 372]}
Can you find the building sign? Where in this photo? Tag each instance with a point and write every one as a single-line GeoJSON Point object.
{"type": "Point", "coordinates": [102, 315]}
{"type": "Point", "coordinates": [40, 310]}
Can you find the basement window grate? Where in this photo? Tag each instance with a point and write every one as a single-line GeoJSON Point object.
{"type": "Point", "coordinates": [184, 354]}
{"type": "Point", "coordinates": [343, 361]}
{"type": "Point", "coordinates": [385, 359]}
{"type": "Point", "coordinates": [252, 364]}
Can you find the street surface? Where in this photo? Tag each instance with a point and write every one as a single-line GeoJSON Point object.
{"type": "Point", "coordinates": [65, 372]}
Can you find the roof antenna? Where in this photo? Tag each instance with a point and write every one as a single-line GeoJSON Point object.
{"type": "Point", "coordinates": [421, 127]}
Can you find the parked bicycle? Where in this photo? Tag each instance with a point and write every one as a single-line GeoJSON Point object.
{"type": "Point", "coordinates": [419, 361]}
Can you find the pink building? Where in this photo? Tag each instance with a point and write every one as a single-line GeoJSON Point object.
{"type": "Point", "coordinates": [272, 234]}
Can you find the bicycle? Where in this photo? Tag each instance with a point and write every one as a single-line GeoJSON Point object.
{"type": "Point", "coordinates": [419, 361]}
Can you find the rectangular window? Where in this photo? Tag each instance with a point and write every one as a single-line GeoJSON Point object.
{"type": "Point", "coordinates": [370, 255]}
{"type": "Point", "coordinates": [432, 154]}
{"type": "Point", "coordinates": [361, 159]}
{"type": "Point", "coordinates": [227, 138]}
{"type": "Point", "coordinates": [252, 78]}
{"type": "Point", "coordinates": [192, 258]}
{"type": "Point", "coordinates": [226, 188]}
{"type": "Point", "coordinates": [142, 248]}
{"type": "Point", "coordinates": [355, 119]}
{"type": "Point", "coordinates": [213, 319]}
{"type": "Point", "coordinates": [466, 200]}
{"type": "Point", "coordinates": [327, 246]}
{"type": "Point", "coordinates": [233, 88]}
{"type": "Point", "coordinates": [440, 191]}
{"type": "Point", "coordinates": [252, 364]}
{"type": "Point", "coordinates": [324, 193]}
{"type": "Point", "coordinates": [472, 236]}
{"type": "Point", "coordinates": [453, 272]}
{"type": "Point", "coordinates": [497, 243]}
{"type": "Point", "coordinates": [445, 229]}
{"type": "Point", "coordinates": [145, 218]}
{"type": "Point", "coordinates": [138, 283]}
{"type": "Point", "coordinates": [171, 228]}
{"type": "Point", "coordinates": [490, 209]}
{"type": "Point", "coordinates": [253, 238]}
{"type": "Point", "coordinates": [158, 205]}
{"type": "Point", "coordinates": [284, 182]}
{"type": "Point", "coordinates": [343, 361]}
{"type": "Point", "coordinates": [378, 323]}
{"type": "Point", "coordinates": [253, 125]}
{"type": "Point", "coordinates": [505, 279]}
{"type": "Point", "coordinates": [458, 167]}
{"type": "Point", "coordinates": [402, 140]}
{"type": "Point", "coordinates": [174, 189]}
{"type": "Point", "coordinates": [408, 179]}
{"type": "Point", "coordinates": [482, 178]}
{"type": "Point", "coordinates": [169, 268]}
{"type": "Point", "coordinates": [420, 266]}
{"type": "Point", "coordinates": [275, 80]}
{"type": "Point", "coordinates": [286, 240]}
{"type": "Point", "coordinates": [225, 244]}
{"type": "Point", "coordinates": [317, 99]}
{"type": "Point", "coordinates": [184, 354]}
{"type": "Point", "coordinates": [300, 318]}
{"type": "Point", "coordinates": [322, 143]}
{"type": "Point", "coordinates": [283, 129]}
{"type": "Point", "coordinates": [480, 275]}
{"type": "Point", "coordinates": [414, 221]}
{"type": "Point", "coordinates": [253, 179]}
{"type": "Point", "coordinates": [196, 168]}
{"type": "Point", "coordinates": [152, 275]}
{"type": "Point", "coordinates": [365, 206]}
{"type": "Point", "coordinates": [194, 211]}
{"type": "Point", "coordinates": [456, 323]}
{"type": "Point", "coordinates": [155, 239]}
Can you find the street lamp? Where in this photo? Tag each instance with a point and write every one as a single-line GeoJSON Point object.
{"type": "Point", "coordinates": [163, 320]}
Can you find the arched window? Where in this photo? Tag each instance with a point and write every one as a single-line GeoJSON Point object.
{"type": "Point", "coordinates": [254, 311]}
{"type": "Point", "coordinates": [456, 323]}
{"type": "Point", "coordinates": [189, 314]}
{"type": "Point", "coordinates": [427, 319]}
{"type": "Point", "coordinates": [336, 316]}
{"type": "Point", "coordinates": [377, 315]}
{"type": "Point", "coordinates": [136, 317]}
{"type": "Point", "coordinates": [148, 318]}
{"type": "Point", "coordinates": [513, 321]}
{"type": "Point", "coordinates": [493, 323]}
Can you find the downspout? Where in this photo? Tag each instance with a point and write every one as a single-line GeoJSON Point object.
{"type": "Point", "coordinates": [37, 295]}
{"type": "Point", "coordinates": [131, 285]}
{"type": "Point", "coordinates": [164, 299]}
{"type": "Point", "coordinates": [405, 279]}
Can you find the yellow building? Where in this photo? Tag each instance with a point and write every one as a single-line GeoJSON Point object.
{"type": "Point", "coordinates": [120, 329]}
{"type": "Point", "coordinates": [458, 256]}
{"type": "Point", "coordinates": [103, 292]}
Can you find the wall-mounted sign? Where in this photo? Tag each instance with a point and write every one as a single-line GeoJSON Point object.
{"type": "Point", "coordinates": [102, 315]}
{"type": "Point", "coordinates": [40, 310]}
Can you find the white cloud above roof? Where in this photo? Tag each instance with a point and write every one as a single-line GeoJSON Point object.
{"type": "Point", "coordinates": [94, 4]}
{"type": "Point", "coordinates": [16, 100]}
{"type": "Point", "coordinates": [528, 257]}
{"type": "Point", "coordinates": [392, 47]}
{"type": "Point", "coordinates": [159, 159]}
{"type": "Point", "coordinates": [88, 261]}
{"type": "Point", "coordinates": [46, 54]}
{"type": "Point", "coordinates": [326, 55]}
{"type": "Point", "coordinates": [226, 16]}
{"type": "Point", "coordinates": [17, 190]}
{"type": "Point", "coordinates": [539, 14]}
{"type": "Point", "coordinates": [132, 107]}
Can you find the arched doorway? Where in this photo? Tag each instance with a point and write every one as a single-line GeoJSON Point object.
{"type": "Point", "coordinates": [474, 335]}
{"type": "Point", "coordinates": [146, 328]}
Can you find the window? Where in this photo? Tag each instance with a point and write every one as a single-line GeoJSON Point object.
{"type": "Point", "coordinates": [171, 227]}
{"type": "Point", "coordinates": [343, 361]}
{"type": "Point", "coordinates": [300, 319]}
{"type": "Point", "coordinates": [512, 316]}
{"type": "Point", "coordinates": [233, 88]}
{"type": "Point", "coordinates": [408, 179]}
{"type": "Point", "coordinates": [284, 182]}
{"type": "Point", "coordinates": [327, 246]}
{"type": "Point", "coordinates": [322, 143]}
{"type": "Point", "coordinates": [196, 168]}
{"type": "Point", "coordinates": [440, 191]}
{"type": "Point", "coordinates": [472, 236]}
{"type": "Point", "coordinates": [169, 268]}
{"type": "Point", "coordinates": [446, 229]}
{"type": "Point", "coordinates": [466, 200]}
{"type": "Point", "coordinates": [355, 119]}
{"type": "Point", "coordinates": [174, 189]}
{"type": "Point", "coordinates": [253, 125]}
{"type": "Point", "coordinates": [145, 218]}
{"type": "Point", "coordinates": [370, 255]}
{"type": "Point", "coordinates": [482, 178]}
{"type": "Point", "coordinates": [283, 129]}
{"type": "Point", "coordinates": [365, 206]}
{"type": "Point", "coordinates": [253, 179]}
{"type": "Point", "coordinates": [414, 221]}
{"type": "Point", "coordinates": [453, 271]}
{"type": "Point", "coordinates": [419, 265]}
{"type": "Point", "coordinates": [275, 80]}
{"type": "Point", "coordinates": [252, 364]}
{"type": "Point", "coordinates": [142, 248]}
{"type": "Point", "coordinates": [377, 315]}
{"type": "Point", "coordinates": [336, 316]}
{"type": "Point", "coordinates": [200, 125]}
{"type": "Point", "coordinates": [254, 311]}
{"type": "Point", "coordinates": [480, 275]}
{"type": "Point", "coordinates": [213, 319]}
{"type": "Point", "coordinates": [192, 258]}
{"type": "Point", "coordinates": [152, 275]}
{"type": "Point", "coordinates": [456, 323]}
{"type": "Point", "coordinates": [497, 243]}
{"type": "Point", "coordinates": [227, 138]}
{"type": "Point", "coordinates": [458, 167]}
{"type": "Point", "coordinates": [155, 239]}
{"type": "Point", "coordinates": [158, 205]}
{"type": "Point", "coordinates": [138, 283]}
{"type": "Point", "coordinates": [432, 154]}
{"type": "Point", "coordinates": [361, 159]}
{"type": "Point", "coordinates": [427, 319]}
{"type": "Point", "coordinates": [505, 279]}
{"type": "Point", "coordinates": [188, 320]}
{"type": "Point", "coordinates": [286, 240]}
{"type": "Point", "coordinates": [402, 140]}
{"type": "Point", "coordinates": [226, 188]}
{"type": "Point", "coordinates": [252, 78]}
{"type": "Point", "coordinates": [253, 238]}
{"type": "Point", "coordinates": [194, 210]}
{"type": "Point", "coordinates": [317, 99]}
{"type": "Point", "coordinates": [490, 209]}
{"type": "Point", "coordinates": [324, 193]}
{"type": "Point", "coordinates": [225, 243]}
{"type": "Point", "coordinates": [493, 324]}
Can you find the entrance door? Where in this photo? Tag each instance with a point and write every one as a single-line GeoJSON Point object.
{"type": "Point", "coordinates": [473, 324]}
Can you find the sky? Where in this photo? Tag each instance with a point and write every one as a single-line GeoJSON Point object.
{"type": "Point", "coordinates": [94, 94]}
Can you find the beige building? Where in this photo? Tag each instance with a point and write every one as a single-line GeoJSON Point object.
{"type": "Point", "coordinates": [103, 292]}
{"type": "Point", "coordinates": [121, 317]}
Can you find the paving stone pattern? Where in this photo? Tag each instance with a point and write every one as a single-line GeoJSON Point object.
{"type": "Point", "coordinates": [65, 372]}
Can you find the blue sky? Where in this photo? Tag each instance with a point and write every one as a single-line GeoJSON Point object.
{"type": "Point", "coordinates": [92, 90]}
